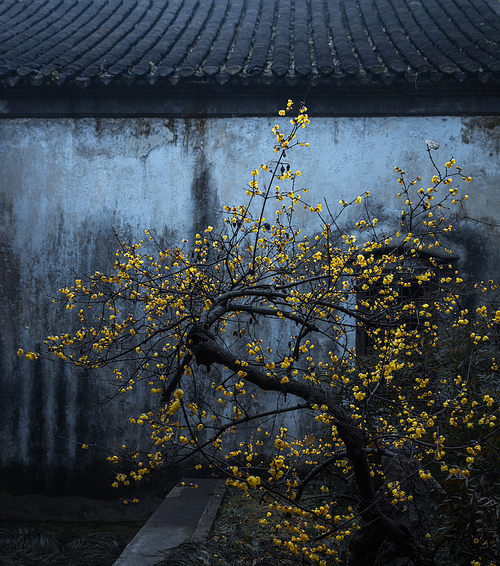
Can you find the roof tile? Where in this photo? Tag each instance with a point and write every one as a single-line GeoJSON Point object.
{"type": "Point", "coordinates": [282, 39]}
{"type": "Point", "coordinates": [262, 39]}
{"type": "Point", "coordinates": [206, 39]}
{"type": "Point", "coordinates": [222, 45]}
{"type": "Point", "coordinates": [85, 41]}
{"type": "Point", "coordinates": [245, 32]}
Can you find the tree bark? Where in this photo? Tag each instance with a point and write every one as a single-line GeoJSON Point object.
{"type": "Point", "coordinates": [208, 351]}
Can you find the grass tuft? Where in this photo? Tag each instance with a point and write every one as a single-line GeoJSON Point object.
{"type": "Point", "coordinates": [31, 546]}
{"type": "Point", "coordinates": [28, 538]}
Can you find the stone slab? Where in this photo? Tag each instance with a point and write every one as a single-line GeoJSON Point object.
{"type": "Point", "coordinates": [187, 513]}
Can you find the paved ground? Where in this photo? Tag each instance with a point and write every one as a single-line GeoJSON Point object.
{"type": "Point", "coordinates": [187, 513]}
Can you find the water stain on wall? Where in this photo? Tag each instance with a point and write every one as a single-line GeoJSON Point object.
{"type": "Point", "coordinates": [204, 195]}
{"type": "Point", "coordinates": [484, 130]}
{"type": "Point", "coordinates": [115, 137]}
{"type": "Point", "coordinates": [203, 191]}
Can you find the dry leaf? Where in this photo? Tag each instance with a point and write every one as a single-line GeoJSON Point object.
{"type": "Point", "coordinates": [165, 254]}
{"type": "Point", "coordinates": [310, 439]}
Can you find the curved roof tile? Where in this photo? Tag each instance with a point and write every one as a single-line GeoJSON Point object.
{"type": "Point", "coordinates": [222, 45]}
{"type": "Point", "coordinates": [243, 43]}
{"type": "Point", "coordinates": [45, 41]}
{"type": "Point", "coordinates": [282, 39]}
{"type": "Point", "coordinates": [262, 39]}
{"type": "Point", "coordinates": [205, 40]}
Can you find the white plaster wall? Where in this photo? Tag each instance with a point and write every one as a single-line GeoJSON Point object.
{"type": "Point", "coordinates": [66, 185]}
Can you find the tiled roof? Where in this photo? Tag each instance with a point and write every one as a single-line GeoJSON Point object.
{"type": "Point", "coordinates": [150, 41]}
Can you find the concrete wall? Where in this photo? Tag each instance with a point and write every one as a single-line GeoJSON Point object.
{"type": "Point", "coordinates": [66, 185]}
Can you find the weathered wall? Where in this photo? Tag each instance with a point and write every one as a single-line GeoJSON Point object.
{"type": "Point", "coordinates": [66, 186]}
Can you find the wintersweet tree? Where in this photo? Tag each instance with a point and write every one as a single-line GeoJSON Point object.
{"type": "Point", "coordinates": [371, 341]}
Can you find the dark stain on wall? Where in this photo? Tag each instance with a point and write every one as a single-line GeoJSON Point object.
{"type": "Point", "coordinates": [474, 261]}
{"type": "Point", "coordinates": [142, 127]}
{"type": "Point", "coordinates": [204, 195]}
{"type": "Point", "coordinates": [62, 431]}
{"type": "Point", "coordinates": [10, 398]}
{"type": "Point", "coordinates": [37, 449]}
{"type": "Point", "coordinates": [171, 126]}
{"type": "Point", "coordinates": [484, 130]}
{"type": "Point", "coordinates": [203, 191]}
{"type": "Point", "coordinates": [10, 277]}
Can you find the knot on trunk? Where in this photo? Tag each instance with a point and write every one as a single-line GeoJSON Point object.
{"type": "Point", "coordinates": [203, 345]}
